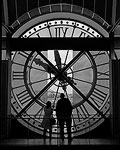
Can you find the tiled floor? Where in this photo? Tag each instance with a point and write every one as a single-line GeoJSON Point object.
{"type": "Point", "coordinates": [33, 142]}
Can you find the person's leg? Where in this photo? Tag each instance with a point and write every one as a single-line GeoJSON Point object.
{"type": "Point", "coordinates": [68, 124]}
{"type": "Point", "coordinates": [61, 123]}
{"type": "Point", "coordinates": [44, 133]}
{"type": "Point", "coordinates": [50, 133]}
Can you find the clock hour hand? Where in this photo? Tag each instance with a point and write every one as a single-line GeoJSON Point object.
{"type": "Point", "coordinates": [59, 65]}
{"type": "Point", "coordinates": [57, 59]}
{"type": "Point", "coordinates": [44, 65]}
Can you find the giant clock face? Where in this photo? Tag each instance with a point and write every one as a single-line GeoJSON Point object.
{"type": "Point", "coordinates": [39, 76]}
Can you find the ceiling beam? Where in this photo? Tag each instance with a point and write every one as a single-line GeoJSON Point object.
{"type": "Point", "coordinates": [5, 9]}
{"type": "Point", "coordinates": [40, 44]}
{"type": "Point", "coordinates": [114, 5]}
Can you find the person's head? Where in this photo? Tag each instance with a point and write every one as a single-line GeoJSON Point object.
{"type": "Point", "coordinates": [48, 104]}
{"type": "Point", "coordinates": [62, 95]}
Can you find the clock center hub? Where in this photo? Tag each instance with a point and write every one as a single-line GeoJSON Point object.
{"type": "Point", "coordinates": [62, 82]}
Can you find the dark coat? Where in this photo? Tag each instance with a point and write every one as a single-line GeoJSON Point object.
{"type": "Point", "coordinates": [63, 108]}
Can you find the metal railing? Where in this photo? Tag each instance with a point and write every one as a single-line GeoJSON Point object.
{"type": "Point", "coordinates": [14, 129]}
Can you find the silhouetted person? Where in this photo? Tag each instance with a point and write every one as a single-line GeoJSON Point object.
{"type": "Point", "coordinates": [63, 113]}
{"type": "Point", "coordinates": [46, 119]}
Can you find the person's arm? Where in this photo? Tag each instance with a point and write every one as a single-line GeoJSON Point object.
{"type": "Point", "coordinates": [57, 110]}
{"type": "Point", "coordinates": [70, 105]}
{"type": "Point", "coordinates": [51, 111]}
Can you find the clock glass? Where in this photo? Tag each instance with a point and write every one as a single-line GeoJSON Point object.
{"type": "Point", "coordinates": [39, 76]}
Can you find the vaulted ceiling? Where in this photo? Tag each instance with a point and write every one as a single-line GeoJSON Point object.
{"type": "Point", "coordinates": [109, 10]}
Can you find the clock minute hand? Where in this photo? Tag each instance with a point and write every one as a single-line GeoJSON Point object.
{"type": "Point", "coordinates": [57, 59]}
{"type": "Point", "coordinates": [44, 65]}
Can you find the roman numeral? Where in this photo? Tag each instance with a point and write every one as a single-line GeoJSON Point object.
{"type": "Point", "coordinates": [23, 53]}
{"type": "Point", "coordinates": [24, 97]}
{"type": "Point", "coordinates": [103, 73]}
{"type": "Point", "coordinates": [60, 31]}
{"type": "Point", "coordinates": [83, 34]}
{"type": "Point", "coordinates": [98, 97]}
{"type": "Point", "coordinates": [82, 112]}
{"type": "Point", "coordinates": [102, 64]}
{"type": "Point", "coordinates": [50, 32]}
{"type": "Point", "coordinates": [73, 32]}
{"type": "Point", "coordinates": [18, 75]}
{"type": "Point", "coordinates": [79, 116]}
{"type": "Point", "coordinates": [102, 78]}
{"type": "Point", "coordinates": [38, 35]}
{"type": "Point", "coordinates": [18, 64]}
{"type": "Point", "coordinates": [103, 86]}
{"type": "Point", "coordinates": [20, 86]}
{"type": "Point", "coordinates": [98, 54]}
{"type": "Point", "coordinates": [40, 113]}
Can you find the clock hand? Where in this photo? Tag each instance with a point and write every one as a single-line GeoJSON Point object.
{"type": "Point", "coordinates": [58, 63]}
{"type": "Point", "coordinates": [63, 83]}
{"type": "Point", "coordinates": [70, 78]}
{"type": "Point", "coordinates": [44, 65]}
{"type": "Point", "coordinates": [57, 59]}
{"type": "Point", "coordinates": [64, 87]}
